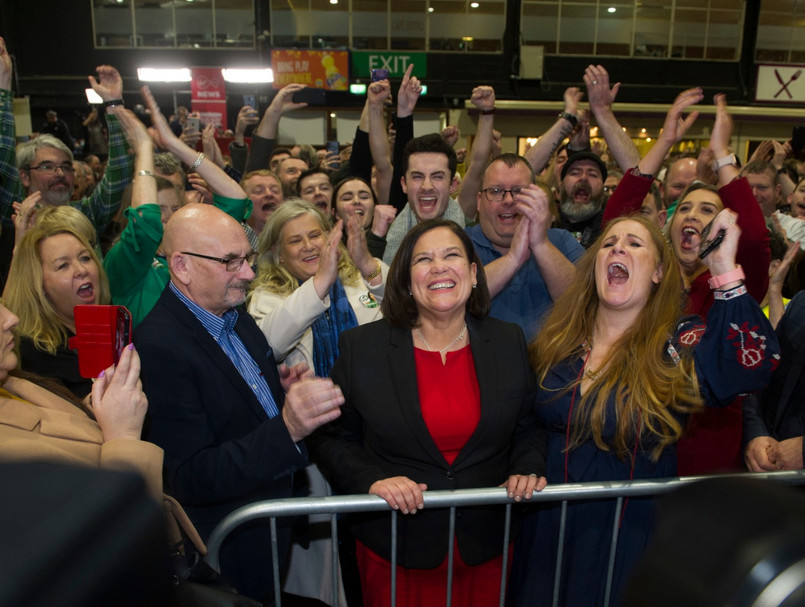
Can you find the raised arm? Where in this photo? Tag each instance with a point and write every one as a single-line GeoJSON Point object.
{"type": "Point", "coordinates": [483, 97]}
{"type": "Point", "coordinates": [673, 130]}
{"type": "Point", "coordinates": [376, 96]}
{"type": "Point", "coordinates": [265, 134]}
{"type": "Point", "coordinates": [601, 97]}
{"type": "Point", "coordinates": [539, 155]}
{"type": "Point", "coordinates": [407, 96]}
{"type": "Point", "coordinates": [216, 178]}
{"type": "Point", "coordinates": [10, 188]}
{"type": "Point", "coordinates": [102, 205]}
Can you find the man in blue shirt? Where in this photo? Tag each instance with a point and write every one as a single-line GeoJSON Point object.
{"type": "Point", "coordinates": [528, 264]}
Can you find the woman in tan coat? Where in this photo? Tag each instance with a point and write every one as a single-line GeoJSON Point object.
{"type": "Point", "coordinates": [42, 421]}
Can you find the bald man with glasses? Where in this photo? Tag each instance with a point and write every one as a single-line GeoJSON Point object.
{"type": "Point", "coordinates": [231, 424]}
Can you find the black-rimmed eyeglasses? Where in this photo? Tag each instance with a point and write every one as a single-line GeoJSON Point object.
{"type": "Point", "coordinates": [498, 194]}
{"type": "Point", "coordinates": [233, 264]}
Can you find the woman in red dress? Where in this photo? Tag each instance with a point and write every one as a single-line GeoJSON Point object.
{"type": "Point", "coordinates": [436, 398]}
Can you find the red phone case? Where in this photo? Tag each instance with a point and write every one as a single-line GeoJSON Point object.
{"type": "Point", "coordinates": [101, 334]}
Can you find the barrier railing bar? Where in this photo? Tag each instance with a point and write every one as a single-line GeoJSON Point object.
{"type": "Point", "coordinates": [560, 553]}
{"type": "Point", "coordinates": [613, 549]}
{"type": "Point", "coordinates": [463, 497]}
{"type": "Point", "coordinates": [505, 566]}
{"type": "Point", "coordinates": [334, 556]}
{"type": "Point", "coordinates": [275, 561]}
{"type": "Point", "coordinates": [393, 555]}
{"type": "Point", "coordinates": [451, 539]}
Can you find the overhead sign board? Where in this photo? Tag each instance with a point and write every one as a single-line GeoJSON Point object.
{"type": "Point", "coordinates": [781, 83]}
{"type": "Point", "coordinates": [363, 62]}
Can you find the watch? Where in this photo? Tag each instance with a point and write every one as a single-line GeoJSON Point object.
{"type": "Point", "coordinates": [722, 162]}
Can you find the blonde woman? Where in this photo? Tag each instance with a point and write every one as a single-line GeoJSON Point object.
{"type": "Point", "coordinates": [309, 288]}
{"type": "Point", "coordinates": [55, 268]}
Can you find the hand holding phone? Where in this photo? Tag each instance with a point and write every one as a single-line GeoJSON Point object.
{"type": "Point", "coordinates": [101, 333]}
{"type": "Point", "coordinates": [707, 244]}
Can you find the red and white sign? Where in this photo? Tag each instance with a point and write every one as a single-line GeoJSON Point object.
{"type": "Point", "coordinates": [208, 95]}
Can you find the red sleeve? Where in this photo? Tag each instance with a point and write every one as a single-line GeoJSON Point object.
{"type": "Point", "coordinates": [628, 197]}
{"type": "Point", "coordinates": [754, 254]}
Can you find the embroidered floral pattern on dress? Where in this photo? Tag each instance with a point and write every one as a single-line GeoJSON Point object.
{"type": "Point", "coordinates": [750, 345]}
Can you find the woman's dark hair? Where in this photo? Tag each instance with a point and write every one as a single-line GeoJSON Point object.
{"type": "Point", "coordinates": [398, 306]}
{"type": "Point", "coordinates": [350, 179]}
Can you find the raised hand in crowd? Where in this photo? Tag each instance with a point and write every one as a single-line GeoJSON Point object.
{"type": "Point", "coordinates": [450, 134]}
{"type": "Point", "coordinates": [408, 95]}
{"type": "Point", "coordinates": [382, 219]}
{"type": "Point", "coordinates": [540, 154]}
{"type": "Point", "coordinates": [247, 116]}
{"type": "Point", "coordinates": [210, 145]}
{"type": "Point", "coordinates": [6, 67]}
{"type": "Point", "coordinates": [281, 104]}
{"type": "Point", "coordinates": [376, 95]}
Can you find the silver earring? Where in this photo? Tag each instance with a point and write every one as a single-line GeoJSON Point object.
{"type": "Point", "coordinates": [475, 285]}
{"type": "Point", "coordinates": [409, 293]}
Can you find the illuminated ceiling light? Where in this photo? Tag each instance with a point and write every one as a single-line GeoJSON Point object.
{"type": "Point", "coordinates": [258, 75]}
{"type": "Point", "coordinates": [466, 38]}
{"type": "Point", "coordinates": [648, 139]}
{"type": "Point", "coordinates": [156, 74]}
{"type": "Point", "coordinates": [357, 89]}
{"type": "Point", "coordinates": [333, 1]}
{"type": "Point", "coordinates": [611, 9]}
{"type": "Point", "coordinates": [643, 131]}
{"type": "Point", "coordinates": [93, 97]}
{"type": "Point", "coordinates": [474, 5]}
{"type": "Point", "coordinates": [332, 114]}
{"type": "Point", "coordinates": [430, 9]}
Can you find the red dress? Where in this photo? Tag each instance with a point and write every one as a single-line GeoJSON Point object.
{"type": "Point", "coordinates": [450, 400]}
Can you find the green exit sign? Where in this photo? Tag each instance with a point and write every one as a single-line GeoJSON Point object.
{"type": "Point", "coordinates": [363, 62]}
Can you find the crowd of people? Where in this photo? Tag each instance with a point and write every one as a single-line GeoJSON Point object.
{"type": "Point", "coordinates": [406, 317]}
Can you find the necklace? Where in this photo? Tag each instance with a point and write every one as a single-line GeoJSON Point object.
{"type": "Point", "coordinates": [448, 346]}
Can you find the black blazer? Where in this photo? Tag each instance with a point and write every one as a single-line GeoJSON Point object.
{"type": "Point", "coordinates": [381, 433]}
{"type": "Point", "coordinates": [779, 410]}
{"type": "Point", "coordinates": [221, 449]}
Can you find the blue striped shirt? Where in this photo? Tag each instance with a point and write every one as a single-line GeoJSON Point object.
{"type": "Point", "coordinates": [222, 330]}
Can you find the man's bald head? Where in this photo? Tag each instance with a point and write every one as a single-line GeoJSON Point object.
{"type": "Point", "coordinates": [197, 241]}
{"type": "Point", "coordinates": [678, 177]}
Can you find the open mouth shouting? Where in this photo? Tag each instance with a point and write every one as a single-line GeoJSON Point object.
{"type": "Point", "coordinates": [617, 274]}
{"type": "Point", "coordinates": [86, 292]}
{"type": "Point", "coordinates": [691, 237]}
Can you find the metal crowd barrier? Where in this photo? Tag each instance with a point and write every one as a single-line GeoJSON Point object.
{"type": "Point", "coordinates": [617, 490]}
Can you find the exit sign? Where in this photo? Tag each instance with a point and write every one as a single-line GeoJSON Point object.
{"type": "Point", "coordinates": [363, 62]}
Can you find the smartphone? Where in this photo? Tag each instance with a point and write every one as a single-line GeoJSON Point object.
{"type": "Point", "coordinates": [379, 74]}
{"type": "Point", "coordinates": [250, 100]}
{"type": "Point", "coordinates": [310, 96]}
{"type": "Point", "coordinates": [193, 122]}
{"type": "Point", "coordinates": [101, 333]}
{"type": "Point", "coordinates": [708, 246]}
{"type": "Point", "coordinates": [798, 139]}
{"type": "Point", "coordinates": [332, 152]}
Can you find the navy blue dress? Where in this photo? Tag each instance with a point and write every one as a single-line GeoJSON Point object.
{"type": "Point", "coordinates": [736, 353]}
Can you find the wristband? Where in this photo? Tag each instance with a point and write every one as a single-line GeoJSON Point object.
{"type": "Point", "coordinates": [374, 274]}
{"type": "Point", "coordinates": [198, 161]}
{"type": "Point", "coordinates": [145, 173]}
{"type": "Point", "coordinates": [112, 103]}
{"type": "Point", "coordinates": [570, 118]}
{"type": "Point", "coordinates": [487, 112]}
{"type": "Point", "coordinates": [732, 293]}
{"type": "Point", "coordinates": [719, 281]}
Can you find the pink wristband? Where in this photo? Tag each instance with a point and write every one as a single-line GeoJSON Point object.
{"type": "Point", "coordinates": [719, 281]}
